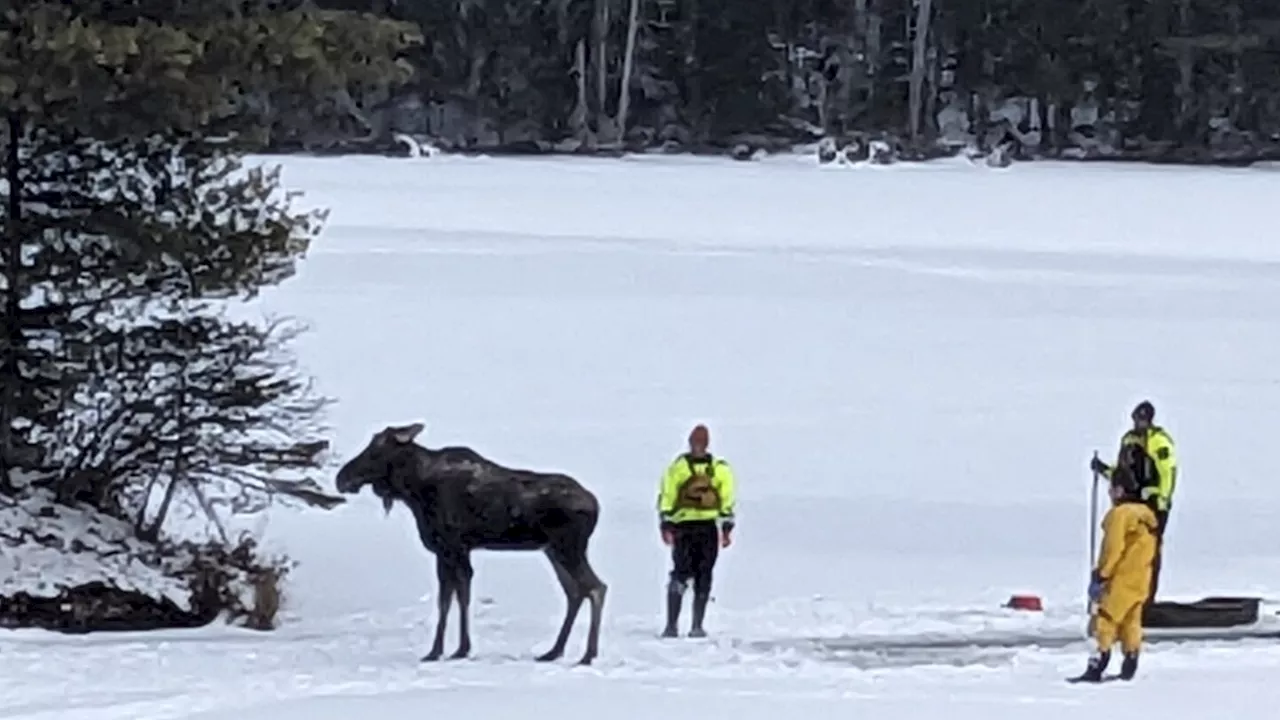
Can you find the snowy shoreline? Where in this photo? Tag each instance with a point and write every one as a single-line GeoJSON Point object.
{"type": "Point", "coordinates": [748, 151]}
{"type": "Point", "coordinates": [72, 569]}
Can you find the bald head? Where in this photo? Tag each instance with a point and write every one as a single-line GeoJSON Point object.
{"type": "Point", "coordinates": [699, 440]}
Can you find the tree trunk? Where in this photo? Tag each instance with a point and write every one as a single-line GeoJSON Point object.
{"type": "Point", "coordinates": [140, 524]}
{"type": "Point", "coordinates": [11, 332]}
{"type": "Point", "coordinates": [152, 533]}
{"type": "Point", "coordinates": [581, 128]}
{"type": "Point", "coordinates": [1186, 68]}
{"type": "Point", "coordinates": [875, 23]}
{"type": "Point", "coordinates": [1235, 77]}
{"type": "Point", "coordinates": [600, 57]}
{"type": "Point", "coordinates": [628, 64]}
{"type": "Point", "coordinates": [919, 66]}
{"type": "Point", "coordinates": [929, 112]}
{"type": "Point", "coordinates": [693, 77]}
{"type": "Point", "coordinates": [821, 103]}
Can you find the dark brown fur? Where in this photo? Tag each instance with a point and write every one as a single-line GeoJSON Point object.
{"type": "Point", "coordinates": [463, 502]}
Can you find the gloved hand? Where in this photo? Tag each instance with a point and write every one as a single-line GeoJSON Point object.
{"type": "Point", "coordinates": [668, 534]}
{"type": "Point", "coordinates": [1096, 587]}
{"type": "Point", "coordinates": [1098, 466]}
{"type": "Point", "coordinates": [726, 537]}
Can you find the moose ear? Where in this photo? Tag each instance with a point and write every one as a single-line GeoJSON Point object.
{"type": "Point", "coordinates": [407, 433]}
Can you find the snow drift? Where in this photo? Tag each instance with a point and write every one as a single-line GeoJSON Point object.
{"type": "Point", "coordinates": [77, 570]}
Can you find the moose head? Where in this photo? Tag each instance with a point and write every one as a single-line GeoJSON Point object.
{"type": "Point", "coordinates": [384, 464]}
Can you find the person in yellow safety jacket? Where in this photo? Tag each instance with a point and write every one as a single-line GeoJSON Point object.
{"type": "Point", "coordinates": [696, 519]}
{"type": "Point", "coordinates": [1157, 473]}
{"type": "Point", "coordinates": [1120, 582]}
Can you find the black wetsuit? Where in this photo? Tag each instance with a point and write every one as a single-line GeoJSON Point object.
{"type": "Point", "coordinates": [694, 552]}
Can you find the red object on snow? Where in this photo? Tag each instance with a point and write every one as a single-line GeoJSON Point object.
{"type": "Point", "coordinates": [1025, 602]}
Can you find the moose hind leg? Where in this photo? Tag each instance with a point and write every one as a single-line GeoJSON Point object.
{"type": "Point", "coordinates": [573, 597]}
{"type": "Point", "coordinates": [596, 590]}
{"type": "Point", "coordinates": [445, 587]}
{"type": "Point", "coordinates": [464, 573]}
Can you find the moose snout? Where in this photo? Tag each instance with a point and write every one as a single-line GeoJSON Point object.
{"type": "Point", "coordinates": [347, 482]}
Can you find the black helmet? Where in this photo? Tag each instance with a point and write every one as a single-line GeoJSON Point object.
{"type": "Point", "coordinates": [1144, 411]}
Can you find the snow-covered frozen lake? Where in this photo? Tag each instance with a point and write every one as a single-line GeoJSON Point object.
{"type": "Point", "coordinates": [908, 367]}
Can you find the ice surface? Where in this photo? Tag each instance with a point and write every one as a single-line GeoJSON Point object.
{"type": "Point", "coordinates": [909, 368]}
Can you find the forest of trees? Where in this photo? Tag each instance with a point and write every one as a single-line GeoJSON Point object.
{"type": "Point", "coordinates": [1184, 80]}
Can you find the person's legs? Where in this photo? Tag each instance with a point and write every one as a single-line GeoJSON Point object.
{"type": "Point", "coordinates": [1104, 636]}
{"type": "Point", "coordinates": [1105, 632]}
{"type": "Point", "coordinates": [1162, 521]}
{"type": "Point", "coordinates": [683, 568]}
{"type": "Point", "coordinates": [1130, 633]}
{"type": "Point", "coordinates": [706, 550]}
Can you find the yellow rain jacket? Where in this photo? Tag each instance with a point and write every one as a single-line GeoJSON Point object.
{"type": "Point", "coordinates": [697, 489]}
{"type": "Point", "coordinates": [1124, 563]}
{"type": "Point", "coordinates": [1158, 446]}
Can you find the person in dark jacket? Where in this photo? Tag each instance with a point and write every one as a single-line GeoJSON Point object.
{"type": "Point", "coordinates": [1148, 449]}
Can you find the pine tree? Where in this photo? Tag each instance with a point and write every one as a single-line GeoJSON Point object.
{"type": "Point", "coordinates": [145, 349]}
{"type": "Point", "coordinates": [216, 412]}
{"type": "Point", "coordinates": [123, 197]}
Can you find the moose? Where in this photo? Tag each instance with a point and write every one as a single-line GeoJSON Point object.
{"type": "Point", "coordinates": [462, 501]}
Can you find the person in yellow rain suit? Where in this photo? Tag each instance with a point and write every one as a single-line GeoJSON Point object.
{"type": "Point", "coordinates": [1148, 448]}
{"type": "Point", "coordinates": [696, 518]}
{"type": "Point", "coordinates": [1121, 581]}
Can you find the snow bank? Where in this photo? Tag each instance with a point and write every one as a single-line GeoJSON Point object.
{"type": "Point", "coordinates": [50, 548]}
{"type": "Point", "coordinates": [72, 568]}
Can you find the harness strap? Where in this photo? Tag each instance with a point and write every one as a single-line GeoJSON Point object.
{"type": "Point", "coordinates": [710, 460]}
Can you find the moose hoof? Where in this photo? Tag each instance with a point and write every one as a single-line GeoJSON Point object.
{"type": "Point", "coordinates": [550, 655]}
{"type": "Point", "coordinates": [460, 653]}
{"type": "Point", "coordinates": [432, 656]}
{"type": "Point", "coordinates": [586, 660]}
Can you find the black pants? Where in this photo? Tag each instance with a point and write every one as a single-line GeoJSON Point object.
{"type": "Point", "coordinates": [693, 555]}
{"type": "Point", "coordinates": [1162, 521]}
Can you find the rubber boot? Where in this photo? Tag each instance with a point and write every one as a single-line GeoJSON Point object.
{"type": "Point", "coordinates": [699, 612]}
{"type": "Point", "coordinates": [1129, 667]}
{"type": "Point", "coordinates": [1097, 665]}
{"type": "Point", "coordinates": [675, 599]}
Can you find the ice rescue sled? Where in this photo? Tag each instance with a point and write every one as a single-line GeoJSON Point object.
{"type": "Point", "coordinates": [1212, 618]}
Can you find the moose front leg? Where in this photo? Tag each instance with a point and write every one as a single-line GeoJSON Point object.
{"type": "Point", "coordinates": [462, 584]}
{"type": "Point", "coordinates": [446, 585]}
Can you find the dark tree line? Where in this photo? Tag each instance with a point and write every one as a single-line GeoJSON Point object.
{"type": "Point", "coordinates": [1186, 79]}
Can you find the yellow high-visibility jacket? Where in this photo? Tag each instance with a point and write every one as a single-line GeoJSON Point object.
{"type": "Point", "coordinates": [697, 489]}
{"type": "Point", "coordinates": [1158, 446]}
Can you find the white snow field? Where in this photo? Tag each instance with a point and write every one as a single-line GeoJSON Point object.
{"type": "Point", "coordinates": [908, 367]}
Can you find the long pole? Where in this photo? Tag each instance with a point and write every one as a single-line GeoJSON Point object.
{"type": "Point", "coordinates": [1093, 541]}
